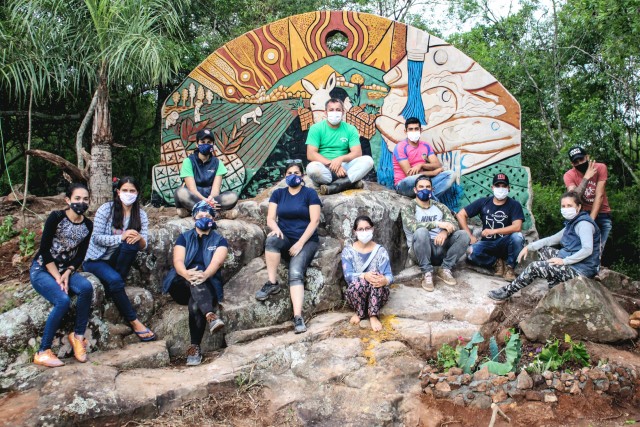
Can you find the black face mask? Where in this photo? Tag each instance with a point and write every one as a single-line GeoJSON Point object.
{"type": "Point", "coordinates": [582, 167]}
{"type": "Point", "coordinates": [79, 208]}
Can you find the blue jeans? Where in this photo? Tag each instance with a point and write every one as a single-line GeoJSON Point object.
{"type": "Point", "coordinates": [46, 285]}
{"type": "Point", "coordinates": [297, 264]}
{"type": "Point", "coordinates": [356, 170]}
{"type": "Point", "coordinates": [112, 273]}
{"type": "Point", "coordinates": [605, 225]}
{"type": "Point", "coordinates": [440, 183]}
{"type": "Point", "coordinates": [485, 253]}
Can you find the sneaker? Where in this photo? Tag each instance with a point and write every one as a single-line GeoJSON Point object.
{"type": "Point", "coordinates": [194, 356]}
{"type": "Point", "coordinates": [446, 276]}
{"type": "Point", "coordinates": [47, 358]}
{"type": "Point", "coordinates": [215, 323]}
{"type": "Point", "coordinates": [499, 267]}
{"type": "Point", "coordinates": [509, 275]}
{"type": "Point", "coordinates": [427, 282]}
{"type": "Point", "coordinates": [79, 347]}
{"type": "Point", "coordinates": [500, 294]}
{"type": "Point", "coordinates": [298, 325]}
{"type": "Point", "coordinates": [268, 289]}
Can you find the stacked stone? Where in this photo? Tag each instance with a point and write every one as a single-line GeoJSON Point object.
{"type": "Point", "coordinates": [483, 388]}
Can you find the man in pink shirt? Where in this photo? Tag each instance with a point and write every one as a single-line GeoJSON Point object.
{"type": "Point", "coordinates": [412, 158]}
{"type": "Point", "coordinates": [588, 179]}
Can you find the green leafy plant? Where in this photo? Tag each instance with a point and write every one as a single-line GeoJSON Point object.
{"type": "Point", "coordinates": [6, 229]}
{"type": "Point", "coordinates": [371, 109]}
{"type": "Point", "coordinates": [298, 103]}
{"type": "Point", "coordinates": [512, 350]}
{"type": "Point", "coordinates": [447, 357]}
{"type": "Point", "coordinates": [550, 357]}
{"type": "Point", "coordinates": [468, 355]}
{"type": "Point", "coordinates": [27, 242]}
{"type": "Point", "coordinates": [576, 352]}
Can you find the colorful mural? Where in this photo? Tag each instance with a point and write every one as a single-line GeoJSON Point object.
{"type": "Point", "coordinates": [262, 91]}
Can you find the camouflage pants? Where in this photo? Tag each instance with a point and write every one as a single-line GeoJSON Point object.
{"type": "Point", "coordinates": [553, 274]}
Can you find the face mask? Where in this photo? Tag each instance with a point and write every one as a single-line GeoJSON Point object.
{"type": "Point", "coordinates": [424, 195]}
{"type": "Point", "coordinates": [364, 236]}
{"type": "Point", "coordinates": [204, 224]}
{"type": "Point", "coordinates": [293, 180]}
{"type": "Point", "coordinates": [568, 213]}
{"type": "Point", "coordinates": [413, 136]}
{"type": "Point", "coordinates": [334, 117]}
{"type": "Point", "coordinates": [79, 208]}
{"type": "Point", "coordinates": [582, 167]}
{"type": "Point", "coordinates": [205, 149]}
{"type": "Point", "coordinates": [128, 198]}
{"type": "Point", "coordinates": [500, 193]}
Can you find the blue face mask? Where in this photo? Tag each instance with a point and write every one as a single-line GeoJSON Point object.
{"type": "Point", "coordinates": [424, 195]}
{"type": "Point", "coordinates": [205, 149]}
{"type": "Point", "coordinates": [293, 180]}
{"type": "Point", "coordinates": [204, 224]}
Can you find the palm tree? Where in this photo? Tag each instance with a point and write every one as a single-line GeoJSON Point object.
{"type": "Point", "coordinates": [97, 44]}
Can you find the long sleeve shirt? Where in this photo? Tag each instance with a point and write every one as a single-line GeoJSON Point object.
{"type": "Point", "coordinates": [584, 230]}
{"type": "Point", "coordinates": [63, 241]}
{"type": "Point", "coordinates": [353, 261]}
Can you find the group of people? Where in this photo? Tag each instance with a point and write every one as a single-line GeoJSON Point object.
{"type": "Point", "coordinates": [436, 236]}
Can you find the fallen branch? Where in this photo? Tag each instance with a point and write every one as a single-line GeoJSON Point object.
{"type": "Point", "coordinates": [496, 410]}
{"type": "Point", "coordinates": [72, 170]}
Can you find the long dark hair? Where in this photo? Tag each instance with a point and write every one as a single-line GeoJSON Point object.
{"type": "Point", "coordinates": [135, 223]}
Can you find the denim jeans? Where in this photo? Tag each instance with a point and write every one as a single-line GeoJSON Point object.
{"type": "Point", "coordinates": [485, 253]}
{"type": "Point", "coordinates": [428, 254]}
{"type": "Point", "coordinates": [200, 300]}
{"type": "Point", "coordinates": [440, 183]}
{"type": "Point", "coordinates": [46, 285]}
{"type": "Point", "coordinates": [356, 169]}
{"type": "Point", "coordinates": [603, 220]}
{"type": "Point", "coordinates": [297, 264]}
{"type": "Point", "coordinates": [112, 273]}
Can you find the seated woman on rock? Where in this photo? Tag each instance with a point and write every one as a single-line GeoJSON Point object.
{"type": "Point", "coordinates": [120, 232]}
{"type": "Point", "coordinates": [65, 239]}
{"type": "Point", "coordinates": [293, 217]}
{"type": "Point", "coordinates": [202, 174]}
{"type": "Point", "coordinates": [579, 256]}
{"type": "Point", "coordinates": [196, 277]}
{"type": "Point", "coordinates": [367, 271]}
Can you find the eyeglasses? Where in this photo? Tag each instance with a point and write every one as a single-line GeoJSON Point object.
{"type": "Point", "coordinates": [364, 229]}
{"type": "Point", "coordinates": [293, 162]}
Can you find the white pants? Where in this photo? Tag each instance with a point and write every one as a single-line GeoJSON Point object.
{"type": "Point", "coordinates": [356, 169]}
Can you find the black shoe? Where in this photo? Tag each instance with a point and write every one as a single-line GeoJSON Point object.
{"type": "Point", "coordinates": [500, 294]}
{"type": "Point", "coordinates": [268, 289]}
{"type": "Point", "coordinates": [194, 356]}
{"type": "Point", "coordinates": [337, 186]}
{"type": "Point", "coordinates": [298, 325]}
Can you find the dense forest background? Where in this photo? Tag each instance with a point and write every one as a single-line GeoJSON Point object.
{"type": "Point", "coordinates": [572, 65]}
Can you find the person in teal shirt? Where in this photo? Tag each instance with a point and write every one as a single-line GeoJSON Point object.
{"type": "Point", "coordinates": [334, 152]}
{"type": "Point", "coordinates": [202, 175]}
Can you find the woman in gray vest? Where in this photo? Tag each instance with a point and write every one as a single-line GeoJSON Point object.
{"type": "Point", "coordinates": [579, 255]}
{"type": "Point", "coordinates": [196, 277]}
{"type": "Point", "coordinates": [202, 173]}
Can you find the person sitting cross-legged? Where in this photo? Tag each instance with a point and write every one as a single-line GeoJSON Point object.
{"type": "Point", "coordinates": [579, 255]}
{"type": "Point", "coordinates": [433, 235]}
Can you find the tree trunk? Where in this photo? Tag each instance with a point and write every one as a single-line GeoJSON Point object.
{"type": "Point", "coordinates": [100, 177]}
{"type": "Point", "coordinates": [26, 172]}
{"type": "Point", "coordinates": [83, 128]}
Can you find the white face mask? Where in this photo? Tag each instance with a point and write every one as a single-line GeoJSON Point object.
{"type": "Point", "coordinates": [334, 117]}
{"type": "Point", "coordinates": [413, 136]}
{"type": "Point", "coordinates": [500, 193]}
{"type": "Point", "coordinates": [128, 198]}
{"type": "Point", "coordinates": [364, 236]}
{"type": "Point", "coordinates": [568, 213]}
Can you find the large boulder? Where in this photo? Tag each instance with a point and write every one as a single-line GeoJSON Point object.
{"type": "Point", "coordinates": [581, 308]}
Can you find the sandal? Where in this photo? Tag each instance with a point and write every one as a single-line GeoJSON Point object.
{"type": "Point", "coordinates": [145, 339]}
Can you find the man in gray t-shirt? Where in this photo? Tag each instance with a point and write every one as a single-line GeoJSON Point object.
{"type": "Point", "coordinates": [433, 235]}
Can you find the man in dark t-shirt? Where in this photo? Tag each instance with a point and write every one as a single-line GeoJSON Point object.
{"type": "Point", "coordinates": [502, 219]}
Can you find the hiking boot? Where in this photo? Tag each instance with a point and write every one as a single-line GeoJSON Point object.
{"type": "Point", "coordinates": [79, 347]}
{"type": "Point", "coordinates": [446, 276]}
{"type": "Point", "coordinates": [47, 358]}
{"type": "Point", "coordinates": [499, 295]}
{"type": "Point", "coordinates": [194, 356]}
{"type": "Point", "coordinates": [427, 282]}
{"type": "Point", "coordinates": [509, 274]}
{"type": "Point", "coordinates": [358, 185]}
{"type": "Point", "coordinates": [337, 186]}
{"type": "Point", "coordinates": [499, 267]}
{"type": "Point", "coordinates": [268, 289]}
{"type": "Point", "coordinates": [215, 323]}
{"type": "Point", "coordinates": [298, 325]}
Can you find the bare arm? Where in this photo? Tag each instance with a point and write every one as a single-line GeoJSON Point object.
{"type": "Point", "coordinates": [271, 220]}
{"type": "Point", "coordinates": [462, 218]}
{"type": "Point", "coordinates": [179, 252]}
{"type": "Point", "coordinates": [433, 164]}
{"type": "Point", "coordinates": [313, 155]}
{"type": "Point", "coordinates": [354, 153]}
{"type": "Point", "coordinates": [191, 186]}
{"type": "Point", "coordinates": [314, 221]}
{"type": "Point", "coordinates": [216, 262]}
{"type": "Point", "coordinates": [215, 187]}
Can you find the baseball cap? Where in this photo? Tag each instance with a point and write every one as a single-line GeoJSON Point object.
{"type": "Point", "coordinates": [500, 178]}
{"type": "Point", "coordinates": [204, 133]}
{"type": "Point", "coordinates": [576, 153]}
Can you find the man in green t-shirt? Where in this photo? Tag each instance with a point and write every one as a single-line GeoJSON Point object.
{"type": "Point", "coordinates": [334, 152]}
{"type": "Point", "coordinates": [202, 175]}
